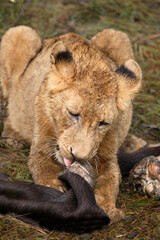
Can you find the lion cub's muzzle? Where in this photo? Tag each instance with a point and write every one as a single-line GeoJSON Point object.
{"type": "Point", "coordinates": [73, 155]}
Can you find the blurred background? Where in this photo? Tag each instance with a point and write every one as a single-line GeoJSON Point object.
{"type": "Point", "coordinates": [141, 20]}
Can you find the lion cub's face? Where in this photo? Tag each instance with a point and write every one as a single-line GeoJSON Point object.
{"type": "Point", "coordinates": [84, 96]}
{"type": "Point", "coordinates": [81, 123]}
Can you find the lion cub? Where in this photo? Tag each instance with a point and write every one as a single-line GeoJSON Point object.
{"type": "Point", "coordinates": [70, 98]}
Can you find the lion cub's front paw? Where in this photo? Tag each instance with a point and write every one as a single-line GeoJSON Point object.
{"type": "Point", "coordinates": [13, 141]}
{"type": "Point", "coordinates": [114, 213]}
{"type": "Point", "coordinates": [53, 183]}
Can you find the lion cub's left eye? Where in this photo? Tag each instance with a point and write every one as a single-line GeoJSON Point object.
{"type": "Point", "coordinates": [103, 124]}
{"type": "Point", "coordinates": [74, 115]}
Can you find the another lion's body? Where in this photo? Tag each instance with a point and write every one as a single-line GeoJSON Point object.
{"type": "Point", "coordinates": [75, 105]}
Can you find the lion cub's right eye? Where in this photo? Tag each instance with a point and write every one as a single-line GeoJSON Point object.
{"type": "Point", "coordinates": [74, 115]}
{"type": "Point", "coordinates": [103, 124]}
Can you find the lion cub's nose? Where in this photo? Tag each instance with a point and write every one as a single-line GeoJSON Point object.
{"type": "Point", "coordinates": [79, 154]}
{"type": "Point", "coordinates": [71, 151]}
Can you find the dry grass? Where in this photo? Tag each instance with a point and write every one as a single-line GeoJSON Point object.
{"type": "Point", "coordinates": [140, 19]}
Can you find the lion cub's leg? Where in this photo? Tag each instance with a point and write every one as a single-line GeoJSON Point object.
{"type": "Point", "coordinates": [107, 187]}
{"type": "Point", "coordinates": [11, 137]}
{"type": "Point", "coordinates": [43, 166]}
{"type": "Point", "coordinates": [132, 143]}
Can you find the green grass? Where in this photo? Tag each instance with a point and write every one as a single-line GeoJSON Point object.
{"type": "Point", "coordinates": [139, 19]}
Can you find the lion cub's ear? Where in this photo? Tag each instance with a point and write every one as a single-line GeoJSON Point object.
{"type": "Point", "coordinates": [129, 77]}
{"type": "Point", "coordinates": [62, 59]}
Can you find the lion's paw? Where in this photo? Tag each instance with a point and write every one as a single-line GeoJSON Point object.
{"type": "Point", "coordinates": [12, 140]}
{"type": "Point", "coordinates": [53, 183]}
{"type": "Point", "coordinates": [115, 214]}
{"type": "Point", "coordinates": [14, 143]}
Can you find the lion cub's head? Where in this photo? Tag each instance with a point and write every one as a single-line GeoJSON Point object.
{"type": "Point", "coordinates": [84, 95]}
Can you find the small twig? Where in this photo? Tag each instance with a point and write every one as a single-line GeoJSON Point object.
{"type": "Point", "coordinates": [23, 8]}
{"type": "Point", "coordinates": [143, 39]}
{"type": "Point", "coordinates": [153, 46]}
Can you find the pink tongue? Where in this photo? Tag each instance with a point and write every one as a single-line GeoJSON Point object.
{"type": "Point", "coordinates": [67, 162]}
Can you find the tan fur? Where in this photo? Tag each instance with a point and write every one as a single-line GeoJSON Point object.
{"type": "Point", "coordinates": [132, 143]}
{"type": "Point", "coordinates": [41, 92]}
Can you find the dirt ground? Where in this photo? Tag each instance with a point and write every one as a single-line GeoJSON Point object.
{"type": "Point", "coordinates": [141, 20]}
